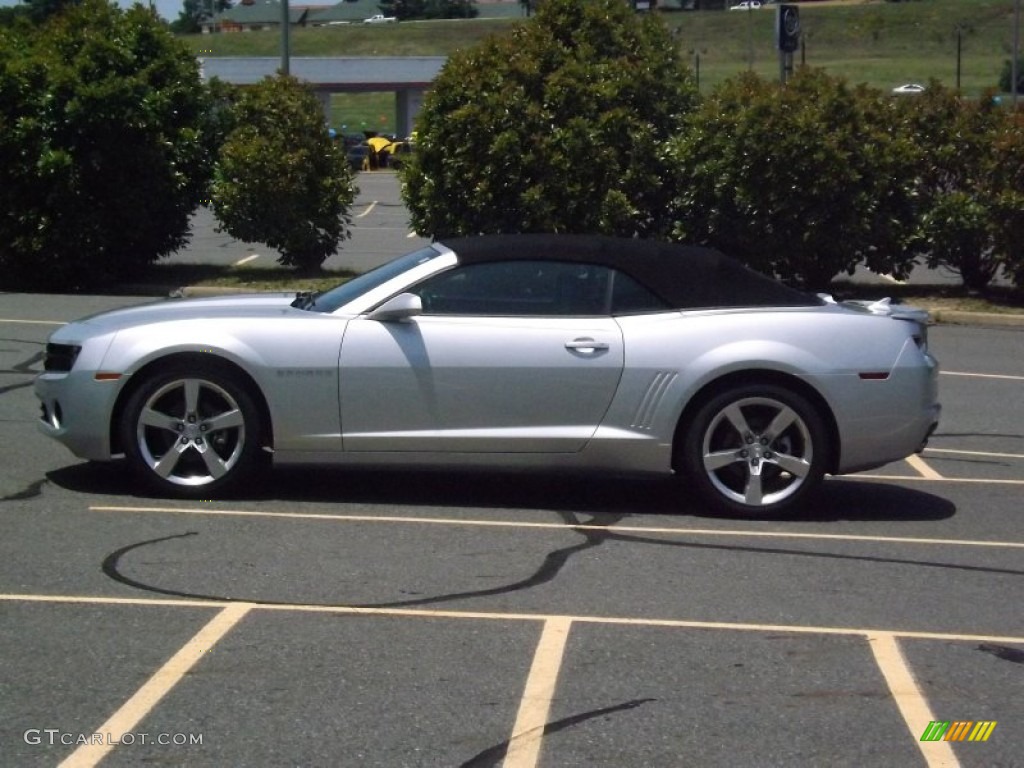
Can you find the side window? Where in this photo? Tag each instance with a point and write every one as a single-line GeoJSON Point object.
{"type": "Point", "coordinates": [518, 288]}
{"type": "Point", "coordinates": [631, 298]}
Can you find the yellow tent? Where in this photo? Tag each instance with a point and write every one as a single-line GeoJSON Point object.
{"type": "Point", "coordinates": [377, 143]}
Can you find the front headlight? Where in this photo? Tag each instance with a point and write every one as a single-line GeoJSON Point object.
{"type": "Point", "coordinates": [60, 358]}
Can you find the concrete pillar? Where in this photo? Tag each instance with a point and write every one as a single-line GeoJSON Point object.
{"type": "Point", "coordinates": [408, 103]}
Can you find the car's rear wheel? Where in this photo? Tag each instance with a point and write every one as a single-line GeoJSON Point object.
{"type": "Point", "coordinates": [756, 450]}
{"type": "Point", "coordinates": [191, 432]}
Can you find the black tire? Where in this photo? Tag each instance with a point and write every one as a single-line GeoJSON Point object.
{"type": "Point", "coordinates": [757, 450]}
{"type": "Point", "coordinates": [191, 432]}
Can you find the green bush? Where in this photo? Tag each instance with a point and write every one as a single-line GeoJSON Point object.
{"type": "Point", "coordinates": [103, 151]}
{"type": "Point", "coordinates": [954, 137]}
{"type": "Point", "coordinates": [804, 181]}
{"type": "Point", "coordinates": [280, 180]}
{"type": "Point", "coordinates": [1004, 179]}
{"type": "Point", "coordinates": [557, 126]}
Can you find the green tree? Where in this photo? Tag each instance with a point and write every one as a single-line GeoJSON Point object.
{"type": "Point", "coordinates": [429, 9]}
{"type": "Point", "coordinates": [280, 180]}
{"type": "Point", "coordinates": [41, 10]}
{"type": "Point", "coordinates": [557, 126]}
{"type": "Point", "coordinates": [102, 146]}
{"type": "Point", "coordinates": [1004, 182]}
{"type": "Point", "coordinates": [954, 138]}
{"type": "Point", "coordinates": [194, 11]}
{"type": "Point", "coordinates": [804, 181]}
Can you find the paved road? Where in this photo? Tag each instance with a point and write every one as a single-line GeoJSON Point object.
{"type": "Point", "coordinates": [418, 619]}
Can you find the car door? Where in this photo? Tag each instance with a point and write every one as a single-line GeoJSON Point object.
{"type": "Point", "coordinates": [514, 356]}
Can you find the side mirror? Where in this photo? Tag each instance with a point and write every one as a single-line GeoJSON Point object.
{"type": "Point", "coordinates": [398, 308]}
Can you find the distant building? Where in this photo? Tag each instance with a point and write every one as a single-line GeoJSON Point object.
{"type": "Point", "coordinates": [257, 14]}
{"type": "Point", "coordinates": [345, 12]}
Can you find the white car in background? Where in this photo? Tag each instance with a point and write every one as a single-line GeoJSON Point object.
{"type": "Point", "coordinates": [746, 5]}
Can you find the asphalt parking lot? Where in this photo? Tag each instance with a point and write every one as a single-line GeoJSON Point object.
{"type": "Point", "coordinates": [414, 619]}
{"type": "Point", "coordinates": [391, 619]}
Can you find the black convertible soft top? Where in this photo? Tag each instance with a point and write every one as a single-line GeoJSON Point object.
{"type": "Point", "coordinates": [684, 276]}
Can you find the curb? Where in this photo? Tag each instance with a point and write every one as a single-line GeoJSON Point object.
{"type": "Point", "coordinates": [961, 317]}
{"type": "Point", "coordinates": [205, 291]}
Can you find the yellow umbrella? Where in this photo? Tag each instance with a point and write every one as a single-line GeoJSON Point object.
{"type": "Point", "coordinates": [377, 143]}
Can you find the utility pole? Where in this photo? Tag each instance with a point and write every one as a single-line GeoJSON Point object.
{"type": "Point", "coordinates": [959, 52]}
{"type": "Point", "coordinates": [750, 37]}
{"type": "Point", "coordinates": [1015, 62]}
{"type": "Point", "coordinates": [285, 67]}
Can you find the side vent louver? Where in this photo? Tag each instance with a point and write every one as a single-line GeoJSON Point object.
{"type": "Point", "coordinates": [652, 398]}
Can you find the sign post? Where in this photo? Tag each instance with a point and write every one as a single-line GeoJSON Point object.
{"type": "Point", "coordinates": [285, 31]}
{"type": "Point", "coordinates": [787, 37]}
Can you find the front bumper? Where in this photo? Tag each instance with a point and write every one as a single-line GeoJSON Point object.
{"type": "Point", "coordinates": [76, 411]}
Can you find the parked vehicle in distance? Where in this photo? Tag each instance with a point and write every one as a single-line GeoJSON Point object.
{"type": "Point", "coordinates": [909, 88]}
{"type": "Point", "coordinates": [511, 351]}
{"type": "Point", "coordinates": [380, 18]}
{"type": "Point", "coordinates": [746, 5]}
{"type": "Point", "coordinates": [358, 157]}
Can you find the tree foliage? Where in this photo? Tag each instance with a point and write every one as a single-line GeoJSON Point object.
{"type": "Point", "coordinates": [1004, 193]}
{"type": "Point", "coordinates": [194, 11]}
{"type": "Point", "coordinates": [429, 9]}
{"type": "Point", "coordinates": [955, 138]}
{"type": "Point", "coordinates": [553, 127]}
{"type": "Point", "coordinates": [804, 181]}
{"type": "Point", "coordinates": [102, 152]}
{"type": "Point", "coordinates": [35, 11]}
{"type": "Point", "coordinates": [280, 180]}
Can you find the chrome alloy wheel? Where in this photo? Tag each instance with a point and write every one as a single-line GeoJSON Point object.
{"type": "Point", "coordinates": [190, 432]}
{"type": "Point", "coordinates": [757, 451]}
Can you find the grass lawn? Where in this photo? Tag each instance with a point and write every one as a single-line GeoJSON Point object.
{"type": "Point", "coordinates": [878, 43]}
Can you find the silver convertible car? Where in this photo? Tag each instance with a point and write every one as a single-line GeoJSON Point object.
{"type": "Point", "coordinates": [542, 351]}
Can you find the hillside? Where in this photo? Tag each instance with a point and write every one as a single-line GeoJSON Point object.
{"type": "Point", "coordinates": [882, 44]}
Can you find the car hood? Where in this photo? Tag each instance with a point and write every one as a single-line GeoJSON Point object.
{"type": "Point", "coordinates": [247, 306]}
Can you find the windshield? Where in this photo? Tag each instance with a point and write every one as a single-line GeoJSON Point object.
{"type": "Point", "coordinates": [357, 286]}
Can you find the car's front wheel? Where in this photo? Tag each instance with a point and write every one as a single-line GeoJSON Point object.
{"type": "Point", "coordinates": [191, 432]}
{"type": "Point", "coordinates": [755, 450]}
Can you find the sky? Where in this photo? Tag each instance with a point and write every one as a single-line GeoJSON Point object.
{"type": "Point", "coordinates": [169, 9]}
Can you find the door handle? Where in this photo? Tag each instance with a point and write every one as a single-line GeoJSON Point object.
{"type": "Point", "coordinates": [586, 345]}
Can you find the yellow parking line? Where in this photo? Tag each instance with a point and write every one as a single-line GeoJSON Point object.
{"type": "Point", "coordinates": [150, 694]}
{"type": "Point", "coordinates": [246, 260]}
{"type": "Point", "coordinates": [990, 454]}
{"type": "Point", "coordinates": [620, 529]}
{"type": "Point", "coordinates": [14, 321]}
{"type": "Point", "coordinates": [528, 731]}
{"type": "Point", "coordinates": [983, 375]}
{"type": "Point", "coordinates": [909, 699]}
{"type": "Point", "coordinates": [418, 613]}
{"type": "Point", "coordinates": [919, 464]}
{"type": "Point", "coordinates": [941, 479]}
